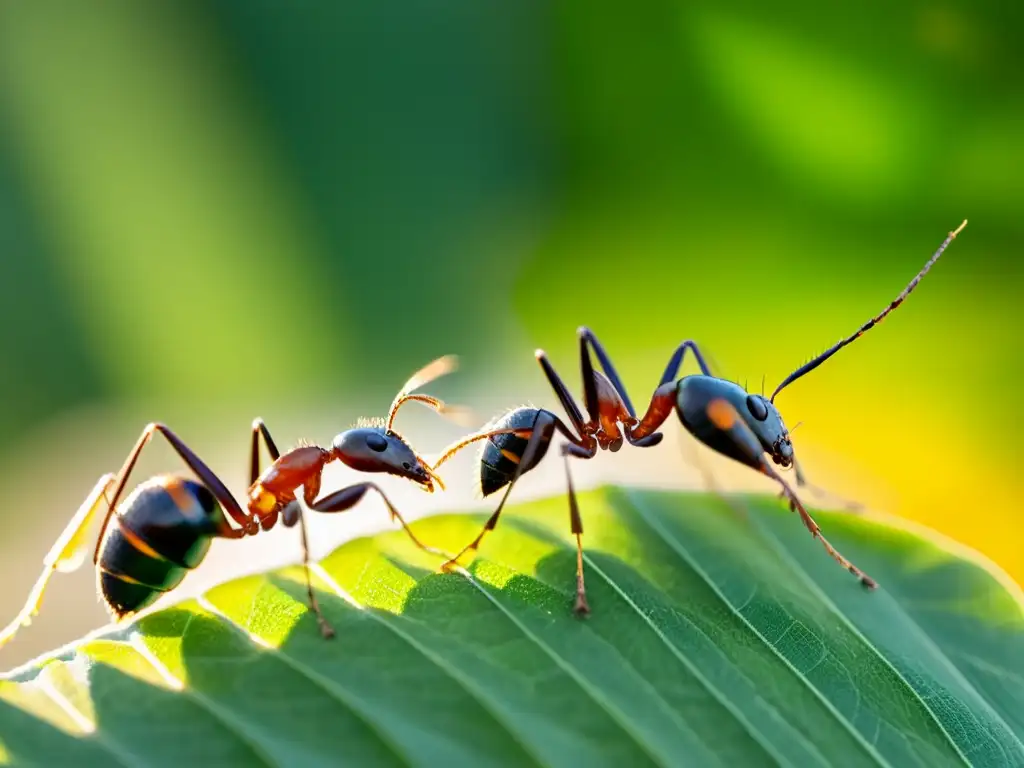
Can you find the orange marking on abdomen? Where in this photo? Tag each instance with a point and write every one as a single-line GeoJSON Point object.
{"type": "Point", "coordinates": [182, 499]}
{"type": "Point", "coordinates": [722, 414]}
{"type": "Point", "coordinates": [136, 542]}
{"type": "Point", "coordinates": [127, 579]}
{"type": "Point", "coordinates": [510, 456]}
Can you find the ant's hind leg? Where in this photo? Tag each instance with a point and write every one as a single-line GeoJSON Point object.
{"type": "Point", "coordinates": [246, 523]}
{"type": "Point", "coordinates": [65, 555]}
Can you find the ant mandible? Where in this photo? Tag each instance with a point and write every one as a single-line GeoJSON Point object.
{"type": "Point", "coordinates": [164, 528]}
{"type": "Point", "coordinates": [719, 413]}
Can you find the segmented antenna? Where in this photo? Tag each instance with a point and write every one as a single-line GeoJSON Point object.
{"type": "Point", "coordinates": [810, 366]}
{"type": "Point", "coordinates": [432, 370]}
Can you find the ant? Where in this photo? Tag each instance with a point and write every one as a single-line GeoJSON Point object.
{"type": "Point", "coordinates": [164, 528]}
{"type": "Point", "coordinates": [719, 413]}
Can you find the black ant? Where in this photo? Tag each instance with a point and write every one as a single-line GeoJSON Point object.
{"type": "Point", "coordinates": [719, 413]}
{"type": "Point", "coordinates": [164, 528]}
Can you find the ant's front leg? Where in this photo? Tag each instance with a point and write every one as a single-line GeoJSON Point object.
{"type": "Point", "coordinates": [724, 417]}
{"type": "Point", "coordinates": [346, 498]}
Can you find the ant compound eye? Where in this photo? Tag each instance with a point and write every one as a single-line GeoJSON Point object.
{"type": "Point", "coordinates": [406, 465]}
{"type": "Point", "coordinates": [757, 407]}
{"type": "Point", "coordinates": [377, 442]}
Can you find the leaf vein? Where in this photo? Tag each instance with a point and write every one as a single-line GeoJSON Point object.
{"type": "Point", "coordinates": [442, 665]}
{"type": "Point", "coordinates": [797, 567]}
{"type": "Point", "coordinates": [677, 547]}
{"type": "Point", "coordinates": [613, 712]}
{"type": "Point", "coordinates": [211, 707]}
{"type": "Point", "coordinates": [116, 751]}
{"type": "Point", "coordinates": [335, 691]}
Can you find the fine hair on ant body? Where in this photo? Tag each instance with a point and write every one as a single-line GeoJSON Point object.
{"type": "Point", "coordinates": [721, 414]}
{"type": "Point", "coordinates": [164, 528]}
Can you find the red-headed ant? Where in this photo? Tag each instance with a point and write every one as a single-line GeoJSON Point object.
{"type": "Point", "coordinates": [165, 526]}
{"type": "Point", "coordinates": [719, 413]}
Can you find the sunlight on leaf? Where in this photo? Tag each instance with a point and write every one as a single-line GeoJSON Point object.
{"type": "Point", "coordinates": [721, 635]}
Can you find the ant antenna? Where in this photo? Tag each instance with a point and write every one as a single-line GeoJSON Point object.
{"type": "Point", "coordinates": [426, 374]}
{"type": "Point", "coordinates": [808, 367]}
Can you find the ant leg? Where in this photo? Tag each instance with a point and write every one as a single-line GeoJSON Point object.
{"type": "Point", "coordinates": [664, 398]}
{"type": "Point", "coordinates": [290, 515]}
{"type": "Point", "coordinates": [724, 417]}
{"type": "Point", "coordinates": [580, 608]}
{"type": "Point", "coordinates": [213, 483]}
{"type": "Point", "coordinates": [65, 555]}
{"type": "Point", "coordinates": [346, 498]}
{"type": "Point", "coordinates": [587, 341]}
{"type": "Point", "coordinates": [543, 429]}
{"type": "Point", "coordinates": [663, 401]}
{"type": "Point", "coordinates": [260, 429]}
{"type": "Point", "coordinates": [566, 399]}
{"type": "Point", "coordinates": [676, 361]}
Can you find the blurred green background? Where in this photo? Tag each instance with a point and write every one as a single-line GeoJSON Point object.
{"type": "Point", "coordinates": [212, 211]}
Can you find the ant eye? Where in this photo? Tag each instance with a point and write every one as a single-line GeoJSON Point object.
{"type": "Point", "coordinates": [757, 407]}
{"type": "Point", "coordinates": [377, 442]}
{"type": "Point", "coordinates": [406, 465]}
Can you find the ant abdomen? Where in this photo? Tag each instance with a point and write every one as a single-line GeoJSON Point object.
{"type": "Point", "coordinates": [160, 532]}
{"type": "Point", "coordinates": [501, 453]}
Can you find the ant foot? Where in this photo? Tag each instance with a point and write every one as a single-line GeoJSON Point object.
{"type": "Point", "coordinates": [581, 608]}
{"type": "Point", "coordinates": [326, 630]}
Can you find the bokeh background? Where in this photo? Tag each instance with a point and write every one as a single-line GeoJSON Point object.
{"type": "Point", "coordinates": [216, 210]}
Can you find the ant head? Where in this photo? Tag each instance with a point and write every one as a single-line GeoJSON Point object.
{"type": "Point", "coordinates": [766, 422]}
{"type": "Point", "coordinates": [377, 449]}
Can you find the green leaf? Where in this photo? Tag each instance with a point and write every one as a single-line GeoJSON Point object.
{"type": "Point", "coordinates": [721, 635]}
